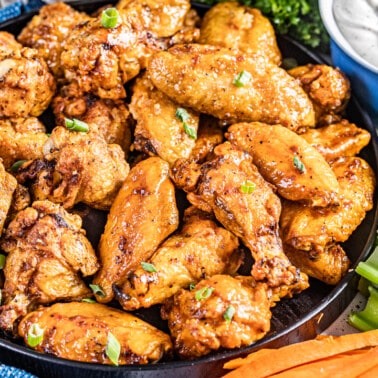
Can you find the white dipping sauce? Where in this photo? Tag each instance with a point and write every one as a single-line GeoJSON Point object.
{"type": "Point", "coordinates": [358, 22]}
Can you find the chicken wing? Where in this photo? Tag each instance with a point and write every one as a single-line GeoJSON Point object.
{"type": "Point", "coordinates": [8, 185]}
{"type": "Point", "coordinates": [219, 312]}
{"type": "Point", "coordinates": [48, 254]}
{"type": "Point", "coordinates": [233, 25]}
{"type": "Point", "coordinates": [26, 84]}
{"type": "Point", "coordinates": [285, 159]}
{"type": "Point", "coordinates": [143, 214]}
{"type": "Point", "coordinates": [77, 167]}
{"type": "Point", "coordinates": [80, 331]}
{"type": "Point", "coordinates": [47, 31]}
{"type": "Point", "coordinates": [254, 216]}
{"type": "Point", "coordinates": [203, 77]}
{"type": "Point", "coordinates": [201, 249]}
{"type": "Point", "coordinates": [21, 139]}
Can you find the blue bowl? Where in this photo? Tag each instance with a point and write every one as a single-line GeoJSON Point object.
{"type": "Point", "coordinates": [362, 75]}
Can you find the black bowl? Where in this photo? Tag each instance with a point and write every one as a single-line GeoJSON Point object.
{"type": "Point", "coordinates": [294, 320]}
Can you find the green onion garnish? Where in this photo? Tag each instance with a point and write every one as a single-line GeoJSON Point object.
{"type": "Point", "coordinates": [113, 348]}
{"type": "Point", "coordinates": [183, 116]}
{"type": "Point", "coordinates": [35, 335]}
{"type": "Point", "coordinates": [88, 300]}
{"type": "Point", "coordinates": [76, 125]}
{"type": "Point", "coordinates": [248, 187]}
{"type": "Point", "coordinates": [148, 267]}
{"type": "Point", "coordinates": [2, 261]}
{"type": "Point", "coordinates": [203, 293]}
{"type": "Point", "coordinates": [298, 164]}
{"type": "Point", "coordinates": [242, 79]}
{"type": "Point", "coordinates": [192, 286]}
{"type": "Point", "coordinates": [16, 166]}
{"type": "Point", "coordinates": [97, 290]}
{"type": "Point", "coordinates": [109, 18]}
{"type": "Point", "coordinates": [229, 313]}
{"type": "Point", "coordinates": [190, 131]}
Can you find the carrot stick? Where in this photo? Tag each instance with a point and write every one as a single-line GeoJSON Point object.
{"type": "Point", "coordinates": [263, 365]}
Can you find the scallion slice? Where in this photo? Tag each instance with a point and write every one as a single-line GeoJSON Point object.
{"type": "Point", "coordinates": [190, 131]}
{"type": "Point", "coordinates": [76, 125]}
{"type": "Point", "coordinates": [109, 18]}
{"type": "Point", "coordinates": [35, 335]}
{"type": "Point", "coordinates": [97, 290]}
{"type": "Point", "coordinates": [203, 293]}
{"type": "Point", "coordinates": [148, 267]}
{"type": "Point", "coordinates": [229, 313]}
{"type": "Point", "coordinates": [299, 164]}
{"type": "Point", "coordinates": [88, 300]}
{"type": "Point", "coordinates": [2, 261]}
{"type": "Point", "coordinates": [183, 116]}
{"type": "Point", "coordinates": [16, 166]}
{"type": "Point", "coordinates": [242, 79]}
{"type": "Point", "coordinates": [113, 349]}
{"type": "Point", "coordinates": [248, 187]}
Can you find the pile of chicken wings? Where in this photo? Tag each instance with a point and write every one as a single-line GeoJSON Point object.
{"type": "Point", "coordinates": [202, 150]}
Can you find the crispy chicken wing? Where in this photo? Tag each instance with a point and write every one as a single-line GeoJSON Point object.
{"type": "Point", "coordinates": [111, 118]}
{"type": "Point", "coordinates": [77, 167]}
{"type": "Point", "coordinates": [201, 249]}
{"type": "Point", "coordinates": [21, 139]}
{"type": "Point", "coordinates": [233, 25]}
{"type": "Point", "coordinates": [327, 87]}
{"type": "Point", "coordinates": [220, 312]}
{"type": "Point", "coordinates": [80, 331]}
{"type": "Point", "coordinates": [338, 139]}
{"type": "Point", "coordinates": [286, 160]}
{"type": "Point", "coordinates": [251, 216]}
{"type": "Point", "coordinates": [47, 255]}
{"type": "Point", "coordinates": [202, 77]}
{"type": "Point", "coordinates": [8, 185]}
{"type": "Point", "coordinates": [26, 84]}
{"type": "Point", "coordinates": [48, 30]}
{"type": "Point", "coordinates": [143, 214]}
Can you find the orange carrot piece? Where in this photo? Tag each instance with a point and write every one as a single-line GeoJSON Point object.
{"type": "Point", "coordinates": [278, 360]}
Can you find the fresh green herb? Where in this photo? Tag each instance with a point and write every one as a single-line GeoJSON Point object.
{"type": "Point", "coordinates": [113, 349]}
{"type": "Point", "coordinates": [299, 19]}
{"type": "Point", "coordinates": [148, 267]}
{"type": "Point", "coordinates": [190, 131]}
{"type": "Point", "coordinates": [97, 290]}
{"type": "Point", "coordinates": [229, 313]}
{"type": "Point", "coordinates": [203, 293]}
{"type": "Point", "coordinates": [76, 125]}
{"type": "Point", "coordinates": [2, 261]}
{"type": "Point", "coordinates": [248, 187]}
{"type": "Point", "coordinates": [299, 164]}
{"type": "Point", "coordinates": [192, 286]}
{"type": "Point", "coordinates": [35, 335]}
{"type": "Point", "coordinates": [109, 18]}
{"type": "Point", "coordinates": [242, 79]}
{"type": "Point", "coordinates": [88, 300]}
{"type": "Point", "coordinates": [183, 116]}
{"type": "Point", "coordinates": [16, 166]}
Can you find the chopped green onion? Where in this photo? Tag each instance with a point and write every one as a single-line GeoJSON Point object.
{"type": "Point", "coordinates": [148, 267]}
{"type": "Point", "coordinates": [88, 300]}
{"type": "Point", "coordinates": [16, 166]}
{"type": "Point", "coordinates": [242, 79]}
{"type": "Point", "coordinates": [76, 125]}
{"type": "Point", "coordinates": [183, 116]}
{"type": "Point", "coordinates": [203, 293]}
{"type": "Point", "coordinates": [190, 131]}
{"type": "Point", "coordinates": [97, 290]}
{"type": "Point", "coordinates": [248, 187]}
{"type": "Point", "coordinates": [113, 348]}
{"type": "Point", "coordinates": [2, 261]}
{"type": "Point", "coordinates": [35, 335]}
{"type": "Point", "coordinates": [299, 164]}
{"type": "Point", "coordinates": [192, 286]}
{"type": "Point", "coordinates": [109, 18]}
{"type": "Point", "coordinates": [229, 313]}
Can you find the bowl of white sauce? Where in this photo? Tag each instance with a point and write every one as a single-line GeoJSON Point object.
{"type": "Point", "coordinates": [353, 29]}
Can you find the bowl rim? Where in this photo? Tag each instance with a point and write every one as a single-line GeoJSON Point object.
{"type": "Point", "coordinates": [327, 16]}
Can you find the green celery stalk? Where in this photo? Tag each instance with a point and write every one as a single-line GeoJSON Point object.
{"type": "Point", "coordinates": [369, 268]}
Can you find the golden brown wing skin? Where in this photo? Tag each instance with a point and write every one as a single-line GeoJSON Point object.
{"type": "Point", "coordinates": [230, 24]}
{"type": "Point", "coordinates": [21, 139]}
{"type": "Point", "coordinates": [202, 77]}
{"type": "Point", "coordinates": [158, 131]}
{"type": "Point", "coordinates": [143, 214]}
{"type": "Point", "coordinates": [48, 254]}
{"type": "Point", "coordinates": [274, 149]}
{"type": "Point", "coordinates": [339, 139]}
{"type": "Point", "coordinates": [201, 249]}
{"type": "Point", "coordinates": [163, 18]}
{"type": "Point", "coordinates": [252, 216]}
{"type": "Point", "coordinates": [8, 185]}
{"type": "Point", "coordinates": [307, 228]}
{"type": "Point", "coordinates": [48, 30]}
{"type": "Point", "coordinates": [26, 85]}
{"type": "Point", "coordinates": [79, 331]}
{"type": "Point", "coordinates": [198, 323]}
